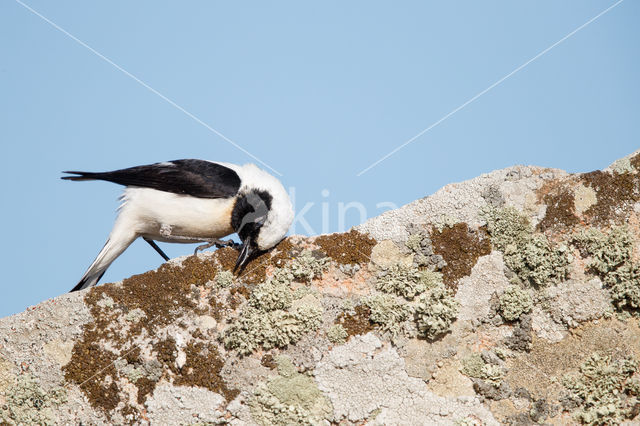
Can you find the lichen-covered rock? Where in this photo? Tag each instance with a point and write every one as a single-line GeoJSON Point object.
{"type": "Point", "coordinates": [435, 312]}
{"type": "Point", "coordinates": [365, 379]}
{"type": "Point", "coordinates": [604, 391]}
{"type": "Point", "coordinates": [406, 281]}
{"type": "Point", "coordinates": [512, 298]}
{"type": "Point", "coordinates": [27, 403]}
{"type": "Point", "coordinates": [388, 312]}
{"type": "Point", "coordinates": [289, 398]}
{"type": "Point", "coordinates": [515, 302]}
{"type": "Point", "coordinates": [530, 256]}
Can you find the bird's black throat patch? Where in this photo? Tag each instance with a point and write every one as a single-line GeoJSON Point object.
{"type": "Point", "coordinates": [249, 214]}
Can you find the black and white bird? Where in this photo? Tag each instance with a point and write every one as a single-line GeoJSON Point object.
{"type": "Point", "coordinates": [193, 201]}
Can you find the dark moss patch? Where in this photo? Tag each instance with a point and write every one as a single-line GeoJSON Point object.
{"type": "Point", "coordinates": [268, 361]}
{"type": "Point", "coordinates": [347, 248]}
{"type": "Point", "coordinates": [202, 368]}
{"type": "Point", "coordinates": [157, 299]}
{"type": "Point", "coordinates": [227, 257]}
{"type": "Point", "coordinates": [460, 246]}
{"type": "Point", "coordinates": [165, 351]}
{"type": "Point", "coordinates": [145, 387]}
{"type": "Point", "coordinates": [160, 294]}
{"type": "Point", "coordinates": [560, 213]}
{"type": "Point", "coordinates": [133, 356]}
{"type": "Point", "coordinates": [88, 368]}
{"type": "Point", "coordinates": [237, 295]}
{"type": "Point", "coordinates": [131, 414]}
{"type": "Point", "coordinates": [615, 192]}
{"type": "Point", "coordinates": [356, 323]}
{"type": "Point", "coordinates": [240, 290]}
{"type": "Point", "coordinates": [217, 307]}
{"type": "Point", "coordinates": [635, 161]}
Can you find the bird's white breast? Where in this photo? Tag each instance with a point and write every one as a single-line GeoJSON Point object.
{"type": "Point", "coordinates": [154, 212]}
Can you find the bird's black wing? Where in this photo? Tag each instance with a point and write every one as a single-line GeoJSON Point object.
{"type": "Point", "coordinates": [198, 178]}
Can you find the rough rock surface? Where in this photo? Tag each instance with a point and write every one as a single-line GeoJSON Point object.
{"type": "Point", "coordinates": [512, 298]}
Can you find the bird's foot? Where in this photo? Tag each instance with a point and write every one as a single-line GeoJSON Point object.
{"type": "Point", "coordinates": [214, 242]}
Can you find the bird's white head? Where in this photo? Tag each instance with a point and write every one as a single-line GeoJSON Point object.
{"type": "Point", "coordinates": [262, 212]}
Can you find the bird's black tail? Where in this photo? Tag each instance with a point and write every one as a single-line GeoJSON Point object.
{"type": "Point", "coordinates": [84, 283]}
{"type": "Point", "coordinates": [81, 176]}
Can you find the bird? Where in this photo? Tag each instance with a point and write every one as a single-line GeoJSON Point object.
{"type": "Point", "coordinates": [192, 201]}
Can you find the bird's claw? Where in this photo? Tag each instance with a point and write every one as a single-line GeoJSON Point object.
{"type": "Point", "coordinates": [215, 242]}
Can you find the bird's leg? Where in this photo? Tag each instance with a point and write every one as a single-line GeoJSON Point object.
{"type": "Point", "coordinates": [165, 231]}
{"type": "Point", "coordinates": [156, 248]}
{"type": "Point", "coordinates": [214, 242]}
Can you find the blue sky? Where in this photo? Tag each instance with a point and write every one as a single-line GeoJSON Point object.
{"type": "Point", "coordinates": [317, 91]}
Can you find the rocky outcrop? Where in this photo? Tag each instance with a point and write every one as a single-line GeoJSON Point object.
{"type": "Point", "coordinates": [512, 298]}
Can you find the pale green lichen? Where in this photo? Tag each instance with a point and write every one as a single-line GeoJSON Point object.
{"type": "Point", "coordinates": [27, 403]}
{"type": "Point", "coordinates": [515, 302]}
{"type": "Point", "coordinates": [372, 415]}
{"type": "Point", "coordinates": [533, 259]}
{"type": "Point", "coordinates": [270, 320]}
{"type": "Point", "coordinates": [623, 165]}
{"type": "Point", "coordinates": [406, 281]}
{"type": "Point", "coordinates": [502, 353]}
{"type": "Point", "coordinates": [282, 276]}
{"type": "Point", "coordinates": [271, 329]}
{"type": "Point", "coordinates": [348, 305]}
{"type": "Point", "coordinates": [433, 308]}
{"type": "Point", "coordinates": [223, 279]}
{"type": "Point", "coordinates": [422, 247]}
{"type": "Point", "coordinates": [289, 398]}
{"type": "Point", "coordinates": [604, 390]}
{"type": "Point", "coordinates": [537, 262]}
{"type": "Point", "coordinates": [493, 374]}
{"type": "Point", "coordinates": [306, 266]}
{"type": "Point", "coordinates": [388, 312]}
{"type": "Point", "coordinates": [444, 221]}
{"type": "Point", "coordinates": [135, 315]}
{"type": "Point", "coordinates": [472, 365]}
{"type": "Point", "coordinates": [611, 259]}
{"type": "Point", "coordinates": [434, 312]}
{"type": "Point", "coordinates": [271, 296]}
{"type": "Point", "coordinates": [609, 251]}
{"type": "Point", "coordinates": [625, 293]}
{"type": "Point", "coordinates": [303, 291]}
{"type": "Point", "coordinates": [475, 366]}
{"type": "Point", "coordinates": [151, 370]}
{"type": "Point", "coordinates": [416, 242]}
{"type": "Point", "coordinates": [507, 226]}
{"type": "Point", "coordinates": [337, 334]}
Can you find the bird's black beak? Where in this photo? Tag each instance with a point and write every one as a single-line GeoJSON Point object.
{"type": "Point", "coordinates": [244, 256]}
